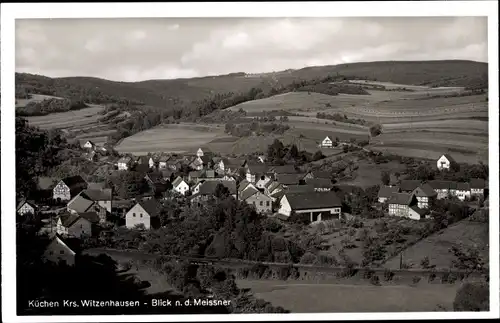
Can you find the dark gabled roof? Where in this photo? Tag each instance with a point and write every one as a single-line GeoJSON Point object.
{"type": "Point", "coordinates": [233, 162]}
{"type": "Point", "coordinates": [208, 187]}
{"type": "Point", "coordinates": [155, 178]}
{"type": "Point", "coordinates": [243, 184]}
{"type": "Point", "coordinates": [299, 188]}
{"type": "Point", "coordinates": [143, 160]}
{"type": "Point", "coordinates": [284, 169]}
{"type": "Point", "coordinates": [124, 159]}
{"type": "Point", "coordinates": [166, 173]}
{"type": "Point", "coordinates": [74, 181]}
{"type": "Point", "coordinates": [92, 217]}
{"type": "Point", "coordinates": [177, 181]}
{"type": "Point", "coordinates": [387, 191]}
{"type": "Point", "coordinates": [163, 158]}
{"type": "Point", "coordinates": [80, 203]}
{"type": "Point", "coordinates": [46, 183]}
{"type": "Point", "coordinates": [258, 169]}
{"type": "Point", "coordinates": [401, 198]}
{"type": "Point", "coordinates": [420, 211]}
{"type": "Point", "coordinates": [142, 168]}
{"type": "Point", "coordinates": [477, 183]}
{"type": "Point", "coordinates": [450, 159]}
{"type": "Point", "coordinates": [320, 182]}
{"type": "Point", "coordinates": [195, 174]}
{"type": "Point", "coordinates": [409, 185]}
{"type": "Point", "coordinates": [96, 186]}
{"type": "Point", "coordinates": [123, 203]}
{"type": "Point", "coordinates": [321, 174]}
{"type": "Point", "coordinates": [247, 193]}
{"type": "Point", "coordinates": [312, 200]}
{"type": "Point", "coordinates": [152, 206]}
{"type": "Point", "coordinates": [288, 179]}
{"type": "Point", "coordinates": [98, 195]}
{"type": "Point", "coordinates": [463, 186]}
{"type": "Point", "coordinates": [425, 190]}
{"type": "Point", "coordinates": [206, 159]}
{"type": "Point", "coordinates": [69, 219]}
{"type": "Point", "coordinates": [442, 185]}
{"type": "Point", "coordinates": [279, 194]}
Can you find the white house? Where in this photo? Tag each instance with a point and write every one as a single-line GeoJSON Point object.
{"type": "Point", "coordinates": [89, 145]}
{"type": "Point", "coordinates": [58, 251]}
{"type": "Point", "coordinates": [463, 191]}
{"type": "Point", "coordinates": [399, 204]}
{"type": "Point", "coordinates": [262, 181]}
{"type": "Point", "coordinates": [152, 162]}
{"type": "Point", "coordinates": [76, 225]}
{"type": "Point", "coordinates": [326, 143]}
{"type": "Point", "coordinates": [196, 188]}
{"type": "Point", "coordinates": [199, 153]}
{"type": "Point", "coordinates": [425, 194]}
{"type": "Point", "coordinates": [477, 186]}
{"type": "Point", "coordinates": [445, 162]}
{"type": "Point", "coordinates": [145, 212]}
{"type": "Point", "coordinates": [180, 186]}
{"type": "Point", "coordinates": [124, 163]}
{"type": "Point", "coordinates": [26, 207]}
{"type": "Point", "coordinates": [316, 206]}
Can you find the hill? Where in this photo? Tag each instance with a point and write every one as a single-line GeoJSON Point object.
{"type": "Point", "coordinates": [160, 93]}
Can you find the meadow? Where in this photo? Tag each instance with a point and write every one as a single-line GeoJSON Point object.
{"type": "Point", "coordinates": [437, 246]}
{"type": "Point", "coordinates": [321, 297]}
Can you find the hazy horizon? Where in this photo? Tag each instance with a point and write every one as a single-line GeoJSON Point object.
{"type": "Point", "coordinates": [140, 49]}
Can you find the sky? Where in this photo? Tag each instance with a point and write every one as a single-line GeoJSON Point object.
{"type": "Point", "coordinates": [126, 49]}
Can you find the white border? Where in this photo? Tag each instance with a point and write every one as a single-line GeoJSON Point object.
{"type": "Point", "coordinates": [9, 12]}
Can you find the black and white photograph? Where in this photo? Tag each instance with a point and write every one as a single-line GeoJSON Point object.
{"type": "Point", "coordinates": [291, 159]}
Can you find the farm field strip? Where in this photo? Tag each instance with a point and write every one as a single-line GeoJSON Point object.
{"type": "Point", "coordinates": [458, 131]}
{"type": "Point", "coordinates": [433, 137]}
{"type": "Point", "coordinates": [399, 119]}
{"type": "Point", "coordinates": [167, 138]}
{"type": "Point", "coordinates": [437, 246]}
{"type": "Point", "coordinates": [461, 124]}
{"type": "Point", "coordinates": [351, 297]}
{"type": "Point", "coordinates": [322, 121]}
{"type": "Point", "coordinates": [21, 103]}
{"type": "Point", "coordinates": [327, 127]}
{"type": "Point", "coordinates": [432, 155]}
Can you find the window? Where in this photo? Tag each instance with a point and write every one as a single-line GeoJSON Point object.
{"type": "Point", "coordinates": [51, 252]}
{"type": "Point", "coordinates": [61, 252]}
{"type": "Point", "coordinates": [141, 215]}
{"type": "Point", "coordinates": [267, 203]}
{"type": "Point", "coordinates": [133, 214]}
{"type": "Point", "coordinates": [81, 226]}
{"type": "Point", "coordinates": [261, 203]}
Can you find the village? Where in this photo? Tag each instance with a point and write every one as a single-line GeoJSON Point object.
{"type": "Point", "coordinates": [78, 209]}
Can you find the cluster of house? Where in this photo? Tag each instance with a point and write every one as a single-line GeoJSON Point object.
{"type": "Point", "coordinates": [412, 198]}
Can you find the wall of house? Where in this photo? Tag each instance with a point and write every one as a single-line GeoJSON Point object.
{"type": "Point", "coordinates": [398, 210]}
{"type": "Point", "coordinates": [26, 209]}
{"type": "Point", "coordinates": [317, 215]}
{"type": "Point", "coordinates": [382, 199]}
{"type": "Point", "coordinates": [285, 207]}
{"type": "Point", "coordinates": [477, 191]}
{"type": "Point", "coordinates": [182, 188]}
{"type": "Point", "coordinates": [56, 252]}
{"type": "Point", "coordinates": [462, 195]}
{"type": "Point", "coordinates": [262, 203]}
{"type": "Point", "coordinates": [137, 215]}
{"type": "Point", "coordinates": [60, 229]}
{"type": "Point", "coordinates": [122, 166]}
{"type": "Point", "coordinates": [80, 228]}
{"type": "Point", "coordinates": [106, 205]}
{"type": "Point", "coordinates": [262, 182]}
{"type": "Point", "coordinates": [62, 192]}
{"type": "Point", "coordinates": [443, 163]}
{"type": "Point", "coordinates": [413, 215]}
{"type": "Point", "coordinates": [422, 202]}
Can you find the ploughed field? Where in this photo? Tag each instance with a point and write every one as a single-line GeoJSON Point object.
{"type": "Point", "coordinates": [421, 123]}
{"type": "Point", "coordinates": [82, 124]}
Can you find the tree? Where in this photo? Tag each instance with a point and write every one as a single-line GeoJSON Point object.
{"type": "Point", "coordinates": [472, 297]}
{"type": "Point", "coordinates": [276, 150]}
{"type": "Point", "coordinates": [221, 191]}
{"type": "Point", "coordinates": [385, 177]}
{"type": "Point", "coordinates": [294, 151]}
{"type": "Point", "coordinates": [375, 130]}
{"type": "Point", "coordinates": [318, 155]}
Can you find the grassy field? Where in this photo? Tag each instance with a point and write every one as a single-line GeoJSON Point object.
{"type": "Point", "coordinates": [437, 246]}
{"type": "Point", "coordinates": [21, 103]}
{"type": "Point", "coordinates": [173, 138]}
{"type": "Point", "coordinates": [299, 297]}
{"type": "Point", "coordinates": [369, 173]}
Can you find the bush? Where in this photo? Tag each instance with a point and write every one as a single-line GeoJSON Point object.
{"type": "Point", "coordinates": [308, 258]}
{"type": "Point", "coordinates": [258, 269]}
{"type": "Point", "coordinates": [472, 297]}
{"type": "Point", "coordinates": [375, 280]}
{"type": "Point", "coordinates": [432, 277]}
{"type": "Point", "coordinates": [416, 279]}
{"type": "Point", "coordinates": [272, 225]}
{"type": "Point", "coordinates": [368, 273]}
{"type": "Point", "coordinates": [388, 275]}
